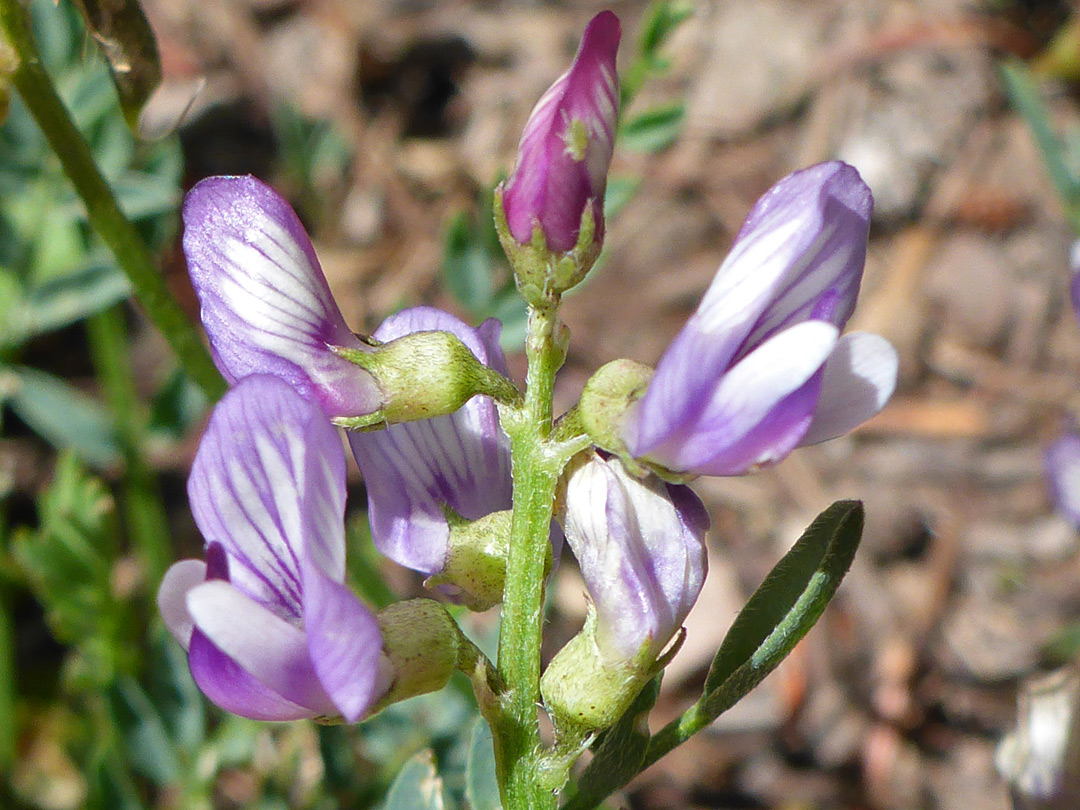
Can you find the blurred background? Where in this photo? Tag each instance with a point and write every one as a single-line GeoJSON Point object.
{"type": "Point", "coordinates": [386, 123]}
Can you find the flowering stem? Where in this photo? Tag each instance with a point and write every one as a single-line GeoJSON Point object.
{"type": "Point", "coordinates": [38, 93]}
{"type": "Point", "coordinates": [535, 472]}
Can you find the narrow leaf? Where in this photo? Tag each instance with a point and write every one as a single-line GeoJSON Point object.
{"type": "Point", "coordinates": [1023, 92]}
{"type": "Point", "coordinates": [481, 784]}
{"type": "Point", "coordinates": [146, 740]}
{"type": "Point", "coordinates": [65, 417]}
{"type": "Point", "coordinates": [792, 597]}
{"type": "Point", "coordinates": [417, 786]}
{"type": "Point", "coordinates": [653, 130]}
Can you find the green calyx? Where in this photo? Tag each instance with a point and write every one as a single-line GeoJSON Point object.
{"type": "Point", "coordinates": [476, 561]}
{"type": "Point", "coordinates": [423, 645]}
{"type": "Point", "coordinates": [423, 375]}
{"type": "Point", "coordinates": [539, 273]}
{"type": "Point", "coordinates": [584, 693]}
{"type": "Point", "coordinates": [601, 412]}
{"type": "Point", "coordinates": [608, 394]}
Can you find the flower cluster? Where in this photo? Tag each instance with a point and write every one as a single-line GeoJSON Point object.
{"type": "Point", "coordinates": [272, 630]}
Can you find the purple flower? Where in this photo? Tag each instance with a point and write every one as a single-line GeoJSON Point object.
{"type": "Point", "coordinates": [412, 470]}
{"type": "Point", "coordinates": [565, 150]}
{"type": "Point", "coordinates": [266, 305]}
{"type": "Point", "coordinates": [271, 630]}
{"type": "Point", "coordinates": [1061, 463]}
{"type": "Point", "coordinates": [1074, 266]}
{"type": "Point", "coordinates": [640, 546]}
{"type": "Point", "coordinates": [760, 368]}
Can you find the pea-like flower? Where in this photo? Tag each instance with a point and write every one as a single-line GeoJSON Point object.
{"type": "Point", "coordinates": [415, 472]}
{"type": "Point", "coordinates": [560, 173]}
{"type": "Point", "coordinates": [272, 632]}
{"type": "Point", "coordinates": [640, 546]}
{"type": "Point", "coordinates": [1061, 463]}
{"type": "Point", "coordinates": [265, 302]}
{"type": "Point", "coordinates": [761, 368]}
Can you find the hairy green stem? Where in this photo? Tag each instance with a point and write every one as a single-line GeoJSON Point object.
{"type": "Point", "coordinates": [40, 96]}
{"type": "Point", "coordinates": [535, 473]}
{"type": "Point", "coordinates": [144, 512]}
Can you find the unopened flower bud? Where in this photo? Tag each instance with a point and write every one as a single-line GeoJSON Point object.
{"type": "Point", "coordinates": [422, 643]}
{"type": "Point", "coordinates": [550, 213]}
{"type": "Point", "coordinates": [640, 547]}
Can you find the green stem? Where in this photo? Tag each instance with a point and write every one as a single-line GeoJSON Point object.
{"type": "Point", "coordinates": [535, 474]}
{"type": "Point", "coordinates": [144, 513]}
{"type": "Point", "coordinates": [40, 96]}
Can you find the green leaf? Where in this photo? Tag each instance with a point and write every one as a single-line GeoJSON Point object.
{"type": "Point", "coordinates": [65, 417]}
{"type": "Point", "coordinates": [68, 562]}
{"type": "Point", "coordinates": [467, 264]}
{"type": "Point", "coordinates": [620, 751]}
{"type": "Point", "coordinates": [481, 784]}
{"type": "Point", "coordinates": [417, 786]}
{"type": "Point", "coordinates": [653, 130]}
{"type": "Point", "coordinates": [62, 301]}
{"type": "Point", "coordinates": [789, 601]}
{"type": "Point", "coordinates": [147, 743]}
{"type": "Point", "coordinates": [1023, 93]}
{"type": "Point", "coordinates": [511, 309]}
{"type": "Point", "coordinates": [661, 20]}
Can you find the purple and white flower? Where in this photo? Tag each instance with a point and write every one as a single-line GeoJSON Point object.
{"type": "Point", "coordinates": [461, 460]}
{"type": "Point", "coordinates": [761, 368]}
{"type": "Point", "coordinates": [565, 150]}
{"type": "Point", "coordinates": [265, 302]}
{"type": "Point", "coordinates": [272, 632]}
{"type": "Point", "coordinates": [1061, 464]}
{"type": "Point", "coordinates": [640, 546]}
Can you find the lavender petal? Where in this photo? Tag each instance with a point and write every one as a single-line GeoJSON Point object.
{"type": "Point", "coordinates": [266, 305]}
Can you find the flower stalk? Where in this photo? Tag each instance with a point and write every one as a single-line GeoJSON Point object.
{"type": "Point", "coordinates": [535, 474]}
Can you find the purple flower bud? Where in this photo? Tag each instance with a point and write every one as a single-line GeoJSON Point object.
{"type": "Point", "coordinates": [640, 546]}
{"type": "Point", "coordinates": [565, 150]}
{"type": "Point", "coordinates": [266, 305]}
{"type": "Point", "coordinates": [760, 368]}
{"type": "Point", "coordinates": [271, 630]}
{"type": "Point", "coordinates": [461, 460]}
{"type": "Point", "coordinates": [1061, 463]}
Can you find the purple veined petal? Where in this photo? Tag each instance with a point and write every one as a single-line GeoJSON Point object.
{"type": "Point", "coordinates": [756, 413]}
{"type": "Point", "coordinates": [270, 649]}
{"type": "Point", "coordinates": [1074, 266]}
{"type": "Point", "coordinates": [1061, 463]}
{"type": "Point", "coordinates": [266, 305]}
{"type": "Point", "coordinates": [640, 548]}
{"type": "Point", "coordinates": [268, 479]}
{"type": "Point", "coordinates": [462, 459]}
{"type": "Point", "coordinates": [805, 238]}
{"type": "Point", "coordinates": [554, 177]}
{"type": "Point", "coordinates": [225, 683]}
{"type": "Point", "coordinates": [172, 597]}
{"type": "Point", "coordinates": [344, 643]}
{"type": "Point", "coordinates": [859, 378]}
